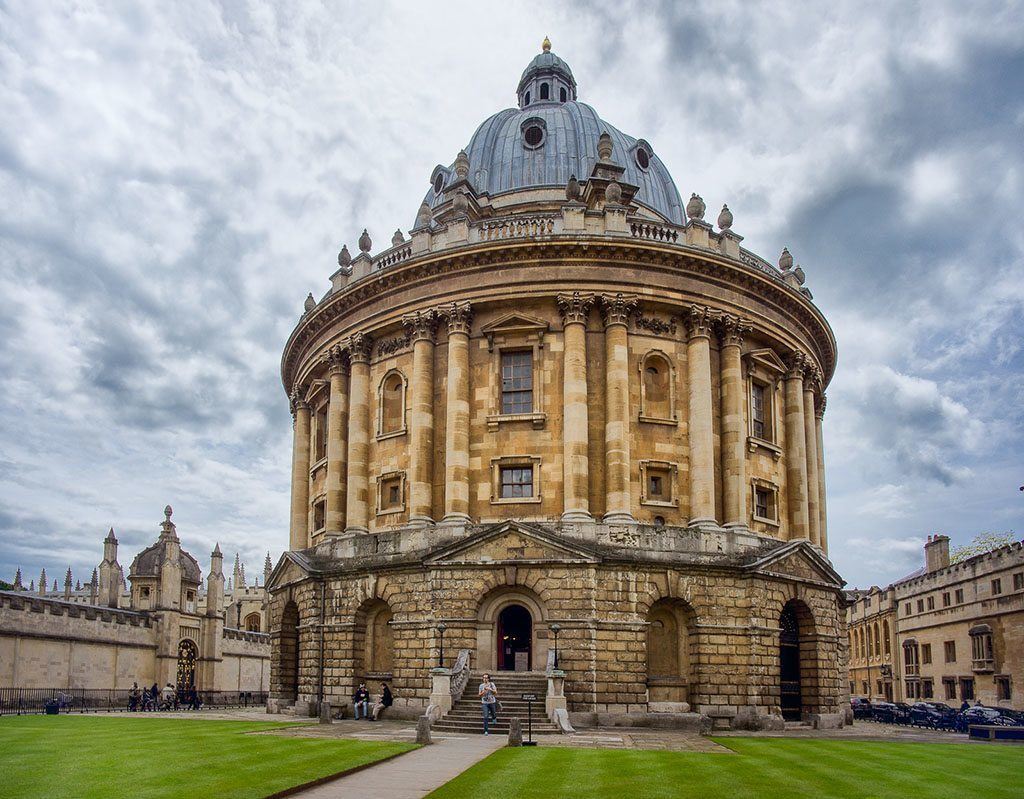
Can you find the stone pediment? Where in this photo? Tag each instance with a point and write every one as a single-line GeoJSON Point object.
{"type": "Point", "coordinates": [767, 360]}
{"type": "Point", "coordinates": [292, 567]}
{"type": "Point", "coordinates": [800, 560]}
{"type": "Point", "coordinates": [513, 542]}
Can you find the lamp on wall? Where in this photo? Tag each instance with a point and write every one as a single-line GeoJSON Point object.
{"type": "Point", "coordinates": [555, 629]}
{"type": "Point", "coordinates": [440, 653]}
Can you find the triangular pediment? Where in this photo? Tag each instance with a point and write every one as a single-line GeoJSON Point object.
{"type": "Point", "coordinates": [291, 568]}
{"type": "Point", "coordinates": [800, 560]}
{"type": "Point", "coordinates": [514, 323]}
{"type": "Point", "coordinates": [513, 542]}
{"type": "Point", "coordinates": [767, 359]}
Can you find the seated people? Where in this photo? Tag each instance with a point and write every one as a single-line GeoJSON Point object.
{"type": "Point", "coordinates": [385, 700]}
{"type": "Point", "coordinates": [361, 701]}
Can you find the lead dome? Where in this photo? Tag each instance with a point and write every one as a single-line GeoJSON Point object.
{"type": "Point", "coordinates": [550, 138]}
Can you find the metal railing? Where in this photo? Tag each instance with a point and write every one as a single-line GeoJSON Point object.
{"type": "Point", "coordinates": [23, 701]}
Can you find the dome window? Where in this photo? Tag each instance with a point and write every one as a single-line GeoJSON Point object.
{"type": "Point", "coordinates": [643, 157]}
{"type": "Point", "coordinates": [438, 182]}
{"type": "Point", "coordinates": [534, 133]}
{"type": "Point", "coordinates": [562, 95]}
{"type": "Point", "coordinates": [545, 91]}
{"type": "Point", "coordinates": [527, 99]}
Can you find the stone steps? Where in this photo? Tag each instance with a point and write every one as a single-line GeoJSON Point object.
{"type": "Point", "coordinates": [466, 716]}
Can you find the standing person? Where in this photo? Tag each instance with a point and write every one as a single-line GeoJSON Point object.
{"type": "Point", "coordinates": [488, 693]}
{"type": "Point", "coordinates": [133, 697]}
{"type": "Point", "coordinates": [361, 699]}
{"type": "Point", "coordinates": [154, 694]}
{"type": "Point", "coordinates": [169, 698]}
{"type": "Point", "coordinates": [386, 700]}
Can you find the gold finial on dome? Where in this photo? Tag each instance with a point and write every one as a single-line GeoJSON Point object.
{"type": "Point", "coordinates": [546, 45]}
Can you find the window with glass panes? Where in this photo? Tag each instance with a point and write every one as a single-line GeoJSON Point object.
{"type": "Point", "coordinates": [759, 414]}
{"type": "Point", "coordinates": [517, 382]}
{"type": "Point", "coordinates": [516, 482]}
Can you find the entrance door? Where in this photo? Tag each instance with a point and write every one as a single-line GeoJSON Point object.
{"type": "Point", "coordinates": [789, 664]}
{"type": "Point", "coordinates": [186, 666]}
{"type": "Point", "coordinates": [515, 637]}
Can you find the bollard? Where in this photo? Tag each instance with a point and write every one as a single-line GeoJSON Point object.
{"type": "Point", "coordinates": [423, 730]}
{"type": "Point", "coordinates": [515, 732]}
{"type": "Point", "coordinates": [325, 713]}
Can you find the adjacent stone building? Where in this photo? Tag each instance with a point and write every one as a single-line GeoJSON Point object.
{"type": "Point", "coordinates": [958, 631]}
{"type": "Point", "coordinates": [565, 406]}
{"type": "Point", "coordinates": [169, 627]}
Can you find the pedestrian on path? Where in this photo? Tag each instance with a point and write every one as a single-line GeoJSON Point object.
{"type": "Point", "coordinates": [488, 693]}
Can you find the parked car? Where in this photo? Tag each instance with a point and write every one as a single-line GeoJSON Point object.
{"type": "Point", "coordinates": [979, 714]}
{"type": "Point", "coordinates": [861, 707]}
{"type": "Point", "coordinates": [937, 715]}
{"type": "Point", "coordinates": [902, 713]}
{"type": "Point", "coordinates": [884, 712]}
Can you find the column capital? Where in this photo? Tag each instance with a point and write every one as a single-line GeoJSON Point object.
{"type": "Point", "coordinates": [819, 407]}
{"type": "Point", "coordinates": [617, 308]}
{"type": "Point", "coordinates": [699, 320]}
{"type": "Point", "coordinates": [812, 377]}
{"type": "Point", "coordinates": [336, 359]}
{"type": "Point", "coordinates": [421, 325]}
{"type": "Point", "coordinates": [458, 316]}
{"type": "Point", "coordinates": [574, 307]}
{"type": "Point", "coordinates": [297, 400]}
{"type": "Point", "coordinates": [796, 363]}
{"type": "Point", "coordinates": [358, 347]}
{"type": "Point", "coordinates": [732, 329]}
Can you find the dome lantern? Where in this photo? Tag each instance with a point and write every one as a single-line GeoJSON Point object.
{"type": "Point", "coordinates": [546, 79]}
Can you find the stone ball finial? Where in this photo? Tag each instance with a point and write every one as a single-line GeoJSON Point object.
{"type": "Point", "coordinates": [365, 242]}
{"type": "Point", "coordinates": [344, 257]}
{"type": "Point", "coordinates": [785, 260]}
{"type": "Point", "coordinates": [695, 208]}
{"type": "Point", "coordinates": [310, 303]}
{"type": "Point", "coordinates": [546, 45]}
{"type": "Point", "coordinates": [398, 238]}
{"type": "Point", "coordinates": [725, 218]}
{"type": "Point", "coordinates": [462, 165]}
{"type": "Point", "coordinates": [613, 193]}
{"type": "Point", "coordinates": [572, 189]}
{"type": "Point", "coordinates": [604, 147]}
{"type": "Point", "coordinates": [168, 510]}
{"type": "Point", "coordinates": [423, 215]}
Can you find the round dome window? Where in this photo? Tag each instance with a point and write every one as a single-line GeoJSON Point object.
{"type": "Point", "coordinates": [438, 182]}
{"type": "Point", "coordinates": [643, 158]}
{"type": "Point", "coordinates": [534, 133]}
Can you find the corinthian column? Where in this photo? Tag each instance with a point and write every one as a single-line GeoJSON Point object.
{"type": "Point", "coordinates": [616, 311]}
{"type": "Point", "coordinates": [731, 331]}
{"type": "Point", "coordinates": [699, 320]}
{"type": "Point", "coordinates": [458, 316]}
{"type": "Point", "coordinates": [575, 424]}
{"type": "Point", "coordinates": [337, 441]}
{"type": "Point", "coordinates": [819, 413]}
{"type": "Point", "coordinates": [796, 455]}
{"type": "Point", "coordinates": [811, 380]}
{"type": "Point", "coordinates": [357, 504]}
{"type": "Point", "coordinates": [299, 533]}
{"type": "Point", "coordinates": [421, 326]}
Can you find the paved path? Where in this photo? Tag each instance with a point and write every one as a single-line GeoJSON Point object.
{"type": "Point", "coordinates": [414, 775]}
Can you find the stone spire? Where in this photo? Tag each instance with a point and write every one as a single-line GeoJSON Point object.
{"type": "Point", "coordinates": [215, 584]}
{"type": "Point", "coordinates": [268, 567]}
{"type": "Point", "coordinates": [168, 532]}
{"type": "Point", "coordinates": [94, 588]}
{"type": "Point", "coordinates": [238, 574]}
{"type": "Point", "coordinates": [32, 585]}
{"type": "Point", "coordinates": [110, 575]}
{"type": "Point", "coordinates": [19, 587]}
{"type": "Point", "coordinates": [67, 584]}
{"type": "Point", "coordinates": [42, 583]}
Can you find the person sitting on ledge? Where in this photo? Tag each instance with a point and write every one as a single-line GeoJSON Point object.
{"type": "Point", "coordinates": [385, 701]}
{"type": "Point", "coordinates": [361, 700]}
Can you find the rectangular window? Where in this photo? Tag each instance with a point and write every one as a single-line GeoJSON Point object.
{"type": "Point", "coordinates": [997, 587]}
{"type": "Point", "coordinates": [981, 651]}
{"type": "Point", "coordinates": [319, 515]}
{"type": "Point", "coordinates": [927, 689]}
{"type": "Point", "coordinates": [517, 382]}
{"type": "Point", "coordinates": [920, 606]}
{"type": "Point", "coordinates": [516, 482]}
{"type": "Point", "coordinates": [655, 486]}
{"type": "Point", "coordinates": [959, 596]}
{"type": "Point", "coordinates": [391, 493]}
{"type": "Point", "coordinates": [949, 684]}
{"type": "Point", "coordinates": [1018, 581]}
{"type": "Point", "coordinates": [946, 601]}
{"type": "Point", "coordinates": [864, 687]}
{"type": "Point", "coordinates": [950, 650]}
{"type": "Point", "coordinates": [1004, 691]}
{"type": "Point", "coordinates": [931, 603]}
{"type": "Point", "coordinates": [878, 686]}
{"type": "Point", "coordinates": [966, 688]}
{"type": "Point", "coordinates": [762, 502]}
{"type": "Point", "coordinates": [759, 413]}
{"type": "Point", "coordinates": [926, 653]}
{"type": "Point", "coordinates": [906, 609]}
{"type": "Point", "coordinates": [867, 601]}
{"type": "Point", "coordinates": [320, 444]}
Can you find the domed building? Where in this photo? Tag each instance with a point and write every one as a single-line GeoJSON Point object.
{"type": "Point", "coordinates": [566, 427]}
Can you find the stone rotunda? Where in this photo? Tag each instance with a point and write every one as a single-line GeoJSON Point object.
{"type": "Point", "coordinates": [564, 415]}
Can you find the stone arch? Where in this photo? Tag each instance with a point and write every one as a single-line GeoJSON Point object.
{"type": "Point", "coordinates": [188, 654]}
{"type": "Point", "coordinates": [671, 651]}
{"type": "Point", "coordinates": [391, 403]}
{"type": "Point", "coordinates": [657, 386]}
{"type": "Point", "coordinates": [252, 623]}
{"type": "Point", "coordinates": [798, 662]}
{"type": "Point", "coordinates": [285, 656]}
{"type": "Point", "coordinates": [488, 615]}
{"type": "Point", "coordinates": [374, 644]}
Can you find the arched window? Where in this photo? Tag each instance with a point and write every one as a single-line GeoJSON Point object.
{"type": "Point", "coordinates": [878, 643]}
{"type": "Point", "coordinates": [545, 91]}
{"type": "Point", "coordinates": [885, 635]}
{"type": "Point", "coordinates": [870, 650]}
{"type": "Point", "coordinates": [657, 390]}
{"type": "Point", "coordinates": [391, 404]}
{"type": "Point", "coordinates": [562, 95]}
{"type": "Point", "coordinates": [527, 99]}
{"type": "Point", "coordinates": [252, 623]}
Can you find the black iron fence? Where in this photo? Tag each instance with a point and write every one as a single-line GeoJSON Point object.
{"type": "Point", "coordinates": [21, 701]}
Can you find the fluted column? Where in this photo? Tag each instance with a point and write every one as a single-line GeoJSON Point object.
{"type": "Point", "coordinates": [299, 533]}
{"type": "Point", "coordinates": [616, 310]}
{"type": "Point", "coordinates": [699, 320]}
{"type": "Point", "coordinates": [734, 459]}
{"type": "Point", "coordinates": [796, 456]}
{"type": "Point", "coordinates": [337, 440]}
{"type": "Point", "coordinates": [357, 504]}
{"type": "Point", "coordinates": [819, 413]}
{"type": "Point", "coordinates": [575, 421]}
{"type": "Point", "coordinates": [421, 327]}
{"type": "Point", "coordinates": [458, 316]}
{"type": "Point", "coordinates": [811, 453]}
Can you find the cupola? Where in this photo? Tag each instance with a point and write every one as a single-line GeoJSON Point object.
{"type": "Point", "coordinates": [547, 79]}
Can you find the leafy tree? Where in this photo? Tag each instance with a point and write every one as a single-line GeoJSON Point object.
{"type": "Point", "coordinates": [6, 586]}
{"type": "Point", "coordinates": [982, 543]}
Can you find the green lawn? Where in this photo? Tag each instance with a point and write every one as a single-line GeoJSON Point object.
{"type": "Point", "coordinates": [140, 758]}
{"type": "Point", "coordinates": [762, 768]}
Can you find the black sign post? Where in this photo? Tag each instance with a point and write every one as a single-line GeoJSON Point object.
{"type": "Point", "coordinates": [529, 699]}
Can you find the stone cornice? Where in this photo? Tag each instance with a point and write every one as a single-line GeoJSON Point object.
{"type": "Point", "coordinates": [693, 261]}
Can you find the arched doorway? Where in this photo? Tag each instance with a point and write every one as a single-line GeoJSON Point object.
{"type": "Point", "coordinates": [287, 660]}
{"type": "Point", "coordinates": [515, 639]}
{"type": "Point", "coordinates": [187, 654]}
{"type": "Point", "coordinates": [669, 656]}
{"type": "Point", "coordinates": [789, 664]}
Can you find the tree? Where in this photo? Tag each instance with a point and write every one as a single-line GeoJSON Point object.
{"type": "Point", "coordinates": [982, 543]}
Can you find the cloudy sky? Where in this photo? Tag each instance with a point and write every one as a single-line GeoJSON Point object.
{"type": "Point", "coordinates": [175, 177]}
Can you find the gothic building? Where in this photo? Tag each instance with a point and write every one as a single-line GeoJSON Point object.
{"type": "Point", "coordinates": [565, 411]}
